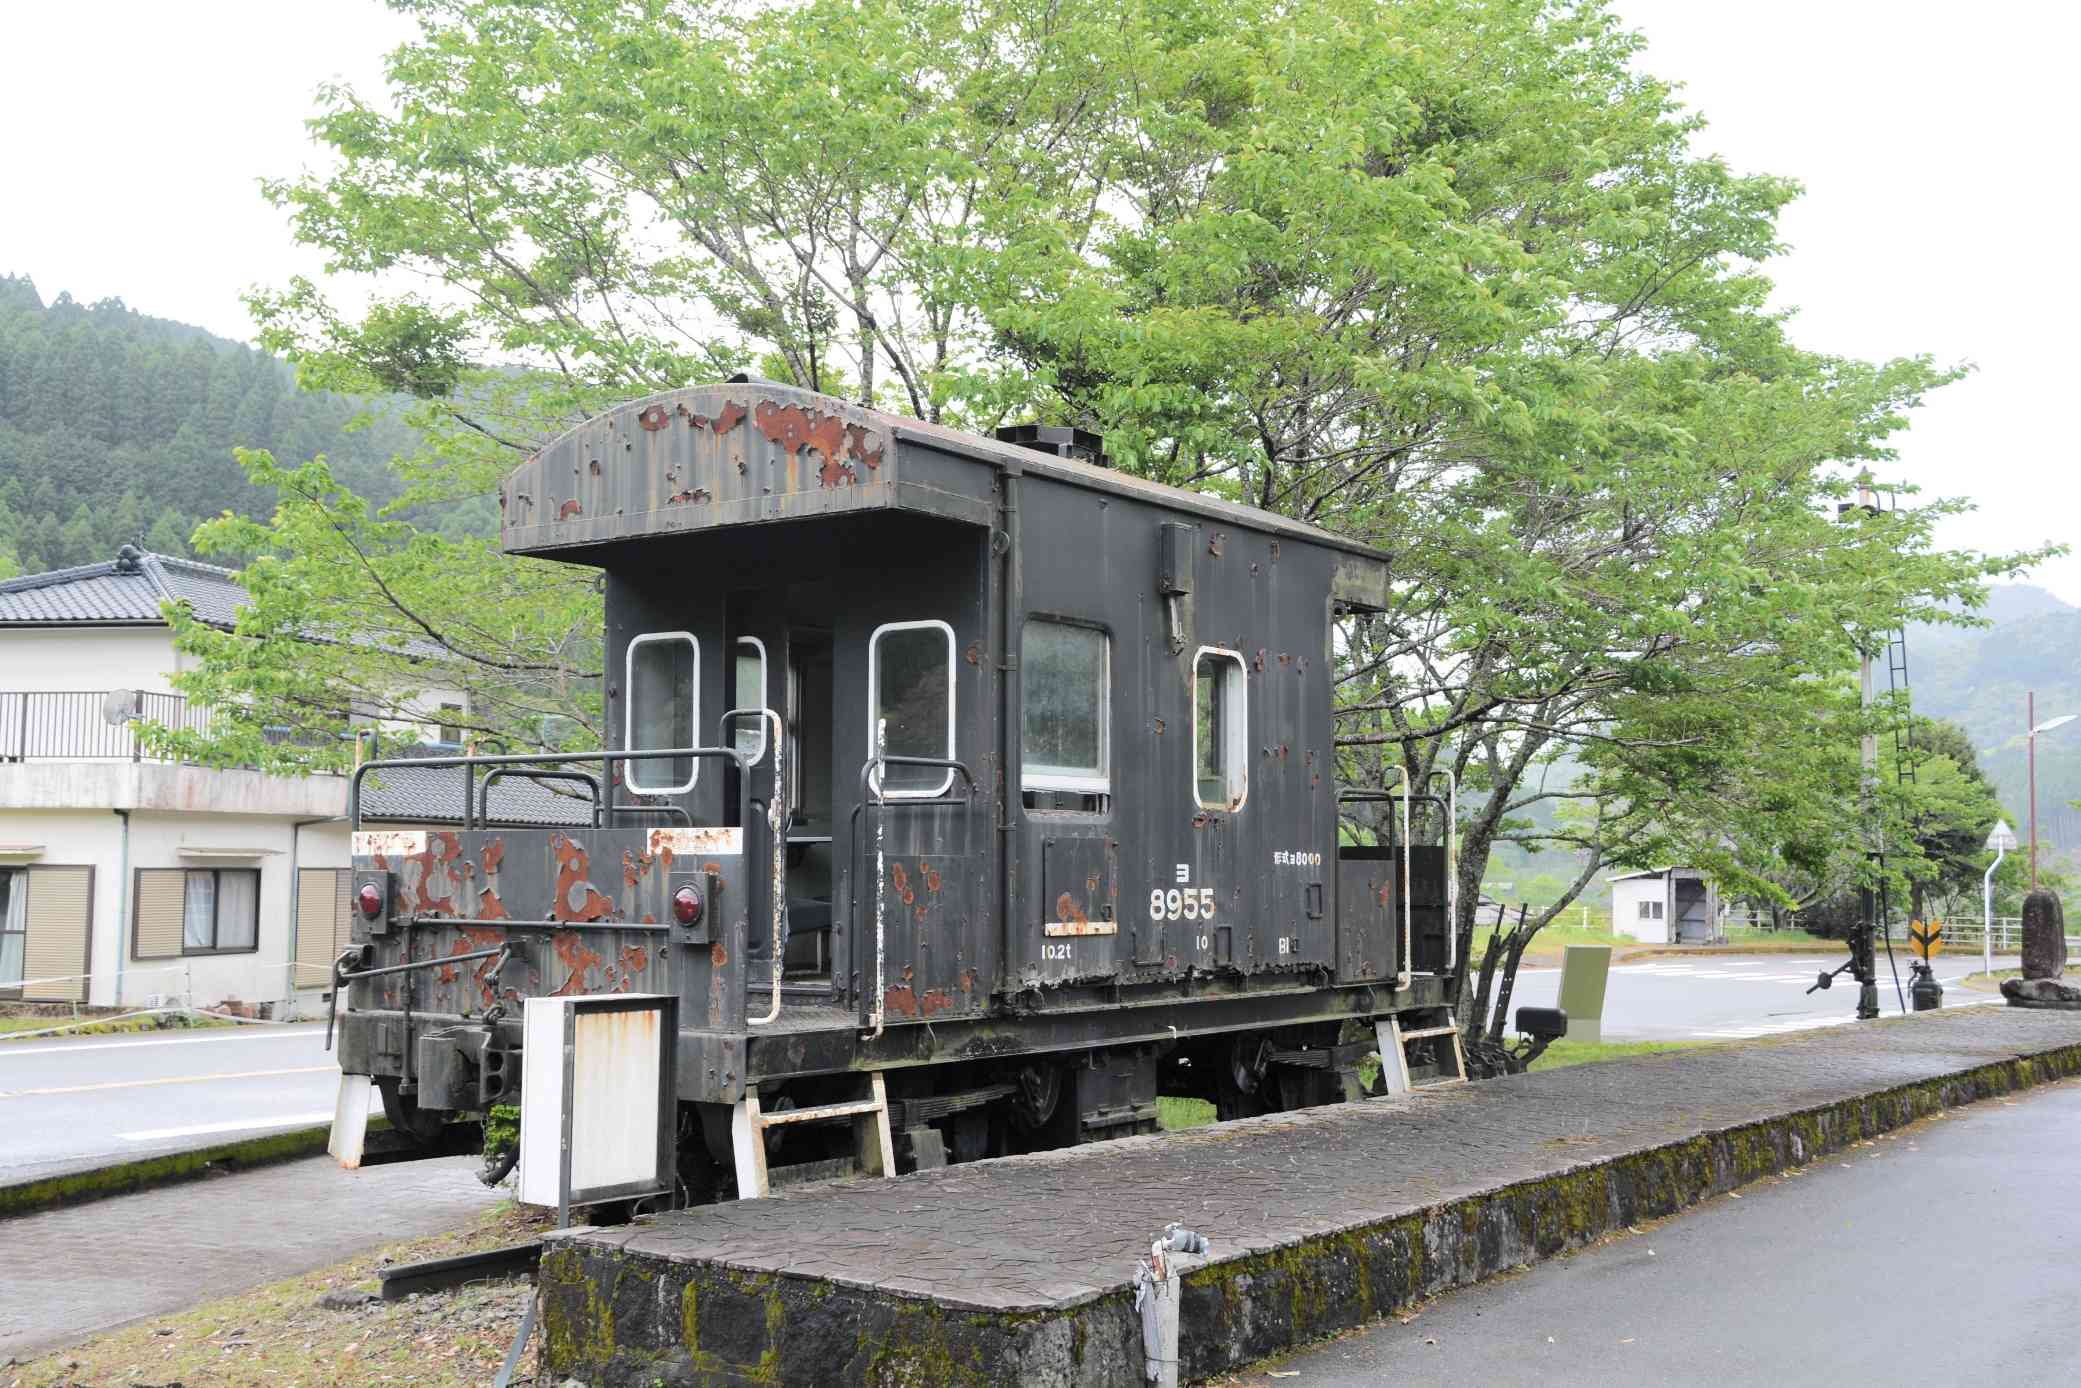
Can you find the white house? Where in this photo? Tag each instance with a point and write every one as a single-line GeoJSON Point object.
{"type": "Point", "coordinates": [125, 879]}
{"type": "Point", "coordinates": [1666, 906]}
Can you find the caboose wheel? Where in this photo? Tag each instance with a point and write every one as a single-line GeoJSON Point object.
{"type": "Point", "coordinates": [1241, 1087]}
{"type": "Point", "coordinates": [1039, 1091]}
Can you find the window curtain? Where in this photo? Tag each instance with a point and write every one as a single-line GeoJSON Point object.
{"type": "Point", "coordinates": [238, 909]}
{"type": "Point", "coordinates": [14, 923]}
{"type": "Point", "coordinates": [199, 911]}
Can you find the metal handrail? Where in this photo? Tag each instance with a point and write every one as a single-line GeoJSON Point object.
{"type": "Point", "coordinates": [1452, 865]}
{"type": "Point", "coordinates": [586, 778]}
{"type": "Point", "coordinates": [873, 779]}
{"type": "Point", "coordinates": [468, 764]}
{"type": "Point", "coordinates": [777, 811]}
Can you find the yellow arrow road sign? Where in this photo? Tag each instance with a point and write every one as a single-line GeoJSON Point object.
{"type": "Point", "coordinates": [1926, 940]}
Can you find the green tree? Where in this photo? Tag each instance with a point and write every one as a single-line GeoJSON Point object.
{"type": "Point", "coordinates": [1442, 274]}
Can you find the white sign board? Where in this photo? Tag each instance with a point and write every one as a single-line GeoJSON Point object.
{"type": "Point", "coordinates": [598, 1111]}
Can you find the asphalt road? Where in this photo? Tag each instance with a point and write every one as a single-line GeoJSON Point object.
{"type": "Point", "coordinates": [90, 1101]}
{"type": "Point", "coordinates": [1726, 997]}
{"type": "Point", "coordinates": [1939, 1254]}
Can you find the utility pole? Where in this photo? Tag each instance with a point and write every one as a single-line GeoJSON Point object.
{"type": "Point", "coordinates": [1864, 964]}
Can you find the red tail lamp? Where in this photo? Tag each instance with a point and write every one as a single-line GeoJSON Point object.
{"type": "Point", "coordinates": [686, 905]}
{"type": "Point", "coordinates": [370, 899]}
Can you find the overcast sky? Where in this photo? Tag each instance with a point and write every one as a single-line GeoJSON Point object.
{"type": "Point", "coordinates": [1935, 142]}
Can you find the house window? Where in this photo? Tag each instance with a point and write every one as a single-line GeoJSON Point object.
{"type": "Point", "coordinates": [14, 925]}
{"type": "Point", "coordinates": [220, 911]}
{"type": "Point", "coordinates": [751, 693]}
{"type": "Point", "coordinates": [451, 724]}
{"type": "Point", "coordinates": [1645, 912]}
{"type": "Point", "coordinates": [663, 675]}
{"type": "Point", "coordinates": [1220, 760]}
{"type": "Point", "coordinates": [1063, 683]}
{"type": "Point", "coordinates": [1658, 910]}
{"type": "Point", "coordinates": [910, 669]}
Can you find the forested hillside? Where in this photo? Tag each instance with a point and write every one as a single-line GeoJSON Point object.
{"type": "Point", "coordinates": [115, 426]}
{"type": "Point", "coordinates": [1979, 679]}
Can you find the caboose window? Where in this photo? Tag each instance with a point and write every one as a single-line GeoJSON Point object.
{"type": "Point", "coordinates": [664, 670]}
{"type": "Point", "coordinates": [1063, 685]}
{"type": "Point", "coordinates": [1219, 726]}
{"type": "Point", "coordinates": [751, 693]}
{"type": "Point", "coordinates": [910, 668]}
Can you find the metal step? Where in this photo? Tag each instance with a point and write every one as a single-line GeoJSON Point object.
{"type": "Point", "coordinates": [869, 1116]}
{"type": "Point", "coordinates": [1394, 1049]}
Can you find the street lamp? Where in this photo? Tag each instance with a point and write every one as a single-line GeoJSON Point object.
{"type": "Point", "coordinates": [2030, 714]}
{"type": "Point", "coordinates": [2001, 841]}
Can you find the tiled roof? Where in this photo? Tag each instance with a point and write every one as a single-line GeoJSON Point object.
{"type": "Point", "coordinates": [433, 795]}
{"type": "Point", "coordinates": [127, 591]}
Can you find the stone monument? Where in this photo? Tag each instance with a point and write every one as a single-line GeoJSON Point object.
{"type": "Point", "coordinates": [2044, 957]}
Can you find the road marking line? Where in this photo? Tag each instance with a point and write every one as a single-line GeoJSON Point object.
{"type": "Point", "coordinates": [302, 1120]}
{"type": "Point", "coordinates": [81, 1049]}
{"type": "Point", "coordinates": [171, 1079]}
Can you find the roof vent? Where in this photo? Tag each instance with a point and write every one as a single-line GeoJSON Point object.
{"type": "Point", "coordinates": [130, 560]}
{"type": "Point", "coordinates": [1057, 441]}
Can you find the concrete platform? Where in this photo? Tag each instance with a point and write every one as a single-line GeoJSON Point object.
{"type": "Point", "coordinates": [1019, 1271]}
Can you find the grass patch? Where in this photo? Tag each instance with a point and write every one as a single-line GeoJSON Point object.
{"type": "Point", "coordinates": [1566, 1052]}
{"type": "Point", "coordinates": [279, 1334]}
{"type": "Point", "coordinates": [1173, 1114]}
{"type": "Point", "coordinates": [95, 1021]}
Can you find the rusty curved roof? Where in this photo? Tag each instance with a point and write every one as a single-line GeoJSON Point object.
{"type": "Point", "coordinates": [706, 456]}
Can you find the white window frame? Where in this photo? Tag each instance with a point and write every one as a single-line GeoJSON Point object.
{"type": "Point", "coordinates": [764, 674]}
{"type": "Point", "coordinates": [874, 695]}
{"type": "Point", "coordinates": [631, 769]}
{"type": "Point", "coordinates": [1043, 778]}
{"type": "Point", "coordinates": [1235, 751]}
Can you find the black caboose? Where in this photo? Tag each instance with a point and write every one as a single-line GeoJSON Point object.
{"type": "Point", "coordinates": [961, 782]}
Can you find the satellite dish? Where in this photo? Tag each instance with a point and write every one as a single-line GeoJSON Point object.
{"type": "Point", "coordinates": [120, 706]}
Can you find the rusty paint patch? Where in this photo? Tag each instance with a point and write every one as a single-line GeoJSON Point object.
{"type": "Point", "coordinates": [730, 418]}
{"type": "Point", "coordinates": [594, 466]}
{"type": "Point", "coordinates": [490, 908]}
{"type": "Point", "coordinates": [1066, 909]}
{"type": "Point", "coordinates": [1257, 663]}
{"type": "Point", "coordinates": [494, 854]}
{"type": "Point", "coordinates": [634, 960]}
{"type": "Point", "coordinates": [575, 899]}
{"type": "Point", "coordinates": [974, 654]}
{"type": "Point", "coordinates": [654, 418]}
{"type": "Point", "coordinates": [633, 868]}
{"type": "Point", "coordinates": [931, 876]}
{"type": "Point", "coordinates": [1215, 542]}
{"type": "Point", "coordinates": [697, 495]}
{"type": "Point", "coordinates": [1159, 727]}
{"type": "Point", "coordinates": [569, 509]}
{"type": "Point", "coordinates": [792, 428]}
{"type": "Point", "coordinates": [901, 881]}
{"type": "Point", "coordinates": [901, 1000]}
{"type": "Point", "coordinates": [578, 959]}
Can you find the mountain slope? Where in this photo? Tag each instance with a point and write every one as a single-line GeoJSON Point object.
{"type": "Point", "coordinates": [1980, 679]}
{"type": "Point", "coordinates": [116, 426]}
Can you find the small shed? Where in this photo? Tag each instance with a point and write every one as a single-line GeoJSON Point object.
{"type": "Point", "coordinates": [1666, 906]}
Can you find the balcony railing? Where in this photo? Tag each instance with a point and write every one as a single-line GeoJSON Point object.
{"type": "Point", "coordinates": [70, 725]}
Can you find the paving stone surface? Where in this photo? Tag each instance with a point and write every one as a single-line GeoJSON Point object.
{"type": "Point", "coordinates": [1056, 1229]}
{"type": "Point", "coordinates": [91, 1267]}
